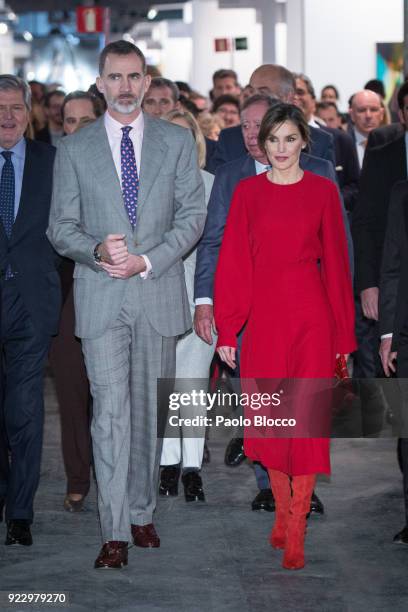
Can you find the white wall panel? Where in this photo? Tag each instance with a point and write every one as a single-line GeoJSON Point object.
{"type": "Point", "coordinates": [340, 39]}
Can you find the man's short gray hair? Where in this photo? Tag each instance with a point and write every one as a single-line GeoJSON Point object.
{"type": "Point", "coordinates": [257, 98]}
{"type": "Point", "coordinates": [9, 81]}
{"type": "Point", "coordinates": [307, 82]}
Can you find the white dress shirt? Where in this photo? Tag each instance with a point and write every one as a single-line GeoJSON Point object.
{"type": "Point", "coordinates": [114, 133]}
{"type": "Point", "coordinates": [313, 123]}
{"type": "Point", "coordinates": [259, 169]}
{"type": "Point", "coordinates": [361, 142]}
{"type": "Point", "coordinates": [18, 161]}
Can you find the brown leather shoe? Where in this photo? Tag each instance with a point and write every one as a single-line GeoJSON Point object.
{"type": "Point", "coordinates": [145, 536]}
{"type": "Point", "coordinates": [113, 555]}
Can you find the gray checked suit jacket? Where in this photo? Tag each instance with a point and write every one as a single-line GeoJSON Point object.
{"type": "Point", "coordinates": [87, 205]}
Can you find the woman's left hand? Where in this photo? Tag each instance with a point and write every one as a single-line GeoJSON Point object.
{"type": "Point", "coordinates": [227, 354]}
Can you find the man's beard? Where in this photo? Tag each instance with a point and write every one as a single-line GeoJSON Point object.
{"type": "Point", "coordinates": [125, 107]}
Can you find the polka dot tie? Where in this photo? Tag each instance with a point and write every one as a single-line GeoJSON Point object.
{"type": "Point", "coordinates": [7, 193]}
{"type": "Point", "coordinates": [130, 179]}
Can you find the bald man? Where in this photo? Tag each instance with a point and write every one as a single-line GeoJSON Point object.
{"type": "Point", "coordinates": [273, 80]}
{"type": "Point", "coordinates": [278, 82]}
{"type": "Point", "coordinates": [383, 167]}
{"type": "Point", "coordinates": [366, 113]}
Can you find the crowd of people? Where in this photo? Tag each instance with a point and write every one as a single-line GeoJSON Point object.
{"type": "Point", "coordinates": [146, 227]}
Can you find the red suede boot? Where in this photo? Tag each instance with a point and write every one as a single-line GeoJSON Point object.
{"type": "Point", "coordinates": [281, 491]}
{"type": "Point", "coordinates": [302, 489]}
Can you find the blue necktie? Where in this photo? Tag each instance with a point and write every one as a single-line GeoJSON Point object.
{"type": "Point", "coordinates": [130, 179]}
{"type": "Point", "coordinates": [7, 193]}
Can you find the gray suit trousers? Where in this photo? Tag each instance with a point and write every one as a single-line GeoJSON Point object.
{"type": "Point", "coordinates": [123, 366]}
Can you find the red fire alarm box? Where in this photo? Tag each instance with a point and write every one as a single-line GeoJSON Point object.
{"type": "Point", "coordinates": [90, 19]}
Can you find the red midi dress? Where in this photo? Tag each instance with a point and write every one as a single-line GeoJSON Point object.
{"type": "Point", "coordinates": [297, 314]}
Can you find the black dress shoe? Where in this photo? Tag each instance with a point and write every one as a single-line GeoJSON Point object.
{"type": "Point", "coordinates": [264, 501]}
{"type": "Point", "coordinates": [234, 453]}
{"type": "Point", "coordinates": [316, 505]}
{"type": "Point", "coordinates": [169, 478]}
{"type": "Point", "coordinates": [18, 532]}
{"type": "Point", "coordinates": [193, 487]}
{"type": "Point", "coordinates": [401, 537]}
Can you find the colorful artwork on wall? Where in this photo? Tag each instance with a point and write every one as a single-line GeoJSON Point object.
{"type": "Point", "coordinates": [390, 66]}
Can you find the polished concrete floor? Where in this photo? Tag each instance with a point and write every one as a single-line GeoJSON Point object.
{"type": "Point", "coordinates": [215, 556]}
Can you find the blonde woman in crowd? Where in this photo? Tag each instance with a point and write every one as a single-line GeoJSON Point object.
{"type": "Point", "coordinates": [211, 125]}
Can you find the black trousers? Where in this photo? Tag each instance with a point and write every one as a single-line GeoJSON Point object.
{"type": "Point", "coordinates": [368, 371]}
{"type": "Point", "coordinates": [4, 449]}
{"type": "Point", "coordinates": [367, 363]}
{"type": "Point", "coordinates": [24, 352]}
{"type": "Point", "coordinates": [402, 365]}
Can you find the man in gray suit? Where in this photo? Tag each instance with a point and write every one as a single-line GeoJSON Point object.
{"type": "Point", "coordinates": [128, 203]}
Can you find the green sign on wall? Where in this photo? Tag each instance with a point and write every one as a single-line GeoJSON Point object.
{"type": "Point", "coordinates": [241, 44]}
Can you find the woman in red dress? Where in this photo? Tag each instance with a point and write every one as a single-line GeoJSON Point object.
{"type": "Point", "coordinates": [298, 315]}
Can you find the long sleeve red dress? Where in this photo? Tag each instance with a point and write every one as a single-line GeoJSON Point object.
{"type": "Point", "coordinates": [297, 314]}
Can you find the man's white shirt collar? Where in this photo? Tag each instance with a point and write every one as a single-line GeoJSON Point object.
{"type": "Point", "coordinates": [260, 168]}
{"type": "Point", "coordinates": [114, 127]}
{"type": "Point", "coordinates": [313, 123]}
{"type": "Point", "coordinates": [359, 136]}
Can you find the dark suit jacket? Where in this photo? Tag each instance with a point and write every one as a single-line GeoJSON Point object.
{"type": "Point", "coordinates": [226, 179]}
{"type": "Point", "coordinates": [210, 146]}
{"type": "Point", "coordinates": [231, 145]}
{"type": "Point", "coordinates": [393, 307]}
{"type": "Point", "coordinates": [385, 134]}
{"type": "Point", "coordinates": [347, 167]}
{"type": "Point", "coordinates": [380, 136]}
{"type": "Point", "coordinates": [383, 167]}
{"type": "Point", "coordinates": [44, 135]}
{"type": "Point", "coordinates": [28, 252]}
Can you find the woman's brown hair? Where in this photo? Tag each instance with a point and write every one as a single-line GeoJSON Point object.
{"type": "Point", "coordinates": [278, 114]}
